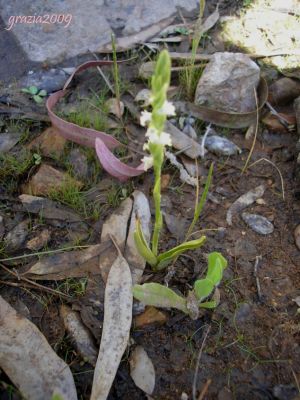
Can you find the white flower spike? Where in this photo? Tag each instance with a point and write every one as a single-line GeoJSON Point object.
{"type": "Point", "coordinates": [168, 109]}
{"type": "Point", "coordinates": [164, 138]}
{"type": "Point", "coordinates": [145, 117]}
{"type": "Point", "coordinates": [148, 162]}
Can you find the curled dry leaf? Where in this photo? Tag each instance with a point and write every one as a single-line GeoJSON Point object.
{"type": "Point", "coordinates": [142, 370]}
{"type": "Point", "coordinates": [29, 361]}
{"type": "Point", "coordinates": [244, 201]}
{"type": "Point", "coordinates": [88, 137]}
{"type": "Point", "coordinates": [79, 334]}
{"type": "Point", "coordinates": [116, 327]}
{"type": "Point", "coordinates": [113, 165]}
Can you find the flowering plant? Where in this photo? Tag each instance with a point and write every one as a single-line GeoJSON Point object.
{"type": "Point", "coordinates": [155, 145]}
{"type": "Point", "coordinates": [154, 293]}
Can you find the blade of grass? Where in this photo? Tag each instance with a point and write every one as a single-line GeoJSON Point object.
{"type": "Point", "coordinates": [201, 203]}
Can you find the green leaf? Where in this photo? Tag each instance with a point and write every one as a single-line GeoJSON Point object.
{"type": "Point", "coordinates": [37, 98]}
{"type": "Point", "coordinates": [43, 93]}
{"type": "Point", "coordinates": [203, 288]}
{"type": "Point", "coordinates": [142, 245]}
{"type": "Point", "coordinates": [154, 294]}
{"type": "Point", "coordinates": [33, 90]}
{"type": "Point", "coordinates": [25, 90]}
{"type": "Point", "coordinates": [216, 265]}
{"type": "Point", "coordinates": [165, 258]}
{"type": "Point", "coordinates": [208, 304]}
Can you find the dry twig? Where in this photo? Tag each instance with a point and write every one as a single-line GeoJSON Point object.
{"type": "Point", "coordinates": [198, 362]}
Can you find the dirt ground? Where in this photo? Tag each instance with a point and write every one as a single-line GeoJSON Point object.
{"type": "Point", "coordinates": [252, 350]}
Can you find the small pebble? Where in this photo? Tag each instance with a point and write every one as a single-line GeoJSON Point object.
{"type": "Point", "coordinates": [222, 146]}
{"type": "Point", "coordinates": [258, 223]}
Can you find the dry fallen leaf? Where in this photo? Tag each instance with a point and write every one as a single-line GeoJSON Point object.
{"type": "Point", "coordinates": [29, 361]}
{"type": "Point", "coordinates": [71, 264]}
{"type": "Point", "coordinates": [244, 201]}
{"type": "Point", "coordinates": [116, 327]}
{"type": "Point", "coordinates": [142, 370]}
{"type": "Point", "coordinates": [79, 334]}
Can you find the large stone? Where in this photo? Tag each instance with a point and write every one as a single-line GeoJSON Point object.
{"type": "Point", "coordinates": [53, 42]}
{"type": "Point", "coordinates": [91, 25]}
{"type": "Point", "coordinates": [50, 142]}
{"type": "Point", "coordinates": [48, 179]}
{"type": "Point", "coordinates": [228, 83]}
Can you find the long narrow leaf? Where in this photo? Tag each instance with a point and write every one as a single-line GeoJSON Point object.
{"type": "Point", "coordinates": [142, 245]}
{"type": "Point", "coordinates": [165, 258]}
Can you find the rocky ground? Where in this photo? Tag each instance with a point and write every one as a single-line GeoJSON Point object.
{"type": "Point", "coordinates": [57, 202]}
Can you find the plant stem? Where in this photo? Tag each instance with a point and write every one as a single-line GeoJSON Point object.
{"type": "Point", "coordinates": [116, 74]}
{"type": "Point", "coordinates": [157, 202]}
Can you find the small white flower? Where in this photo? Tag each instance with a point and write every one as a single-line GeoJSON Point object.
{"type": "Point", "coordinates": [146, 147]}
{"type": "Point", "coordinates": [148, 162]}
{"type": "Point", "coordinates": [168, 109]}
{"type": "Point", "coordinates": [164, 138]}
{"type": "Point", "coordinates": [145, 117]}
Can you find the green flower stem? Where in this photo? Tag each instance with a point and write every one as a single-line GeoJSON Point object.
{"type": "Point", "coordinates": [157, 152]}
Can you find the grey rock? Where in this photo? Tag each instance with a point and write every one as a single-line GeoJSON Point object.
{"type": "Point", "coordinates": [258, 223]}
{"type": "Point", "coordinates": [90, 27]}
{"type": "Point", "coordinates": [44, 42]}
{"type": "Point", "coordinates": [285, 392]}
{"type": "Point", "coordinates": [16, 237]}
{"type": "Point", "coordinates": [222, 146]}
{"type": "Point", "coordinates": [8, 141]}
{"type": "Point", "coordinates": [228, 83]}
{"type": "Point", "coordinates": [79, 163]}
{"type": "Point", "coordinates": [50, 80]}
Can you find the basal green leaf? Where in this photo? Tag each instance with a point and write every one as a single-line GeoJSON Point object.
{"type": "Point", "coordinates": [33, 90]}
{"type": "Point", "coordinates": [154, 294]}
{"type": "Point", "coordinates": [37, 98]}
{"type": "Point", "coordinates": [203, 288]}
{"type": "Point", "coordinates": [216, 265]}
{"type": "Point", "coordinates": [165, 258]}
{"type": "Point", "coordinates": [142, 245]}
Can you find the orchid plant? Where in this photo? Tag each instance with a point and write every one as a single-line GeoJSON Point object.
{"type": "Point", "coordinates": [156, 145]}
{"type": "Point", "coordinates": [157, 141]}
